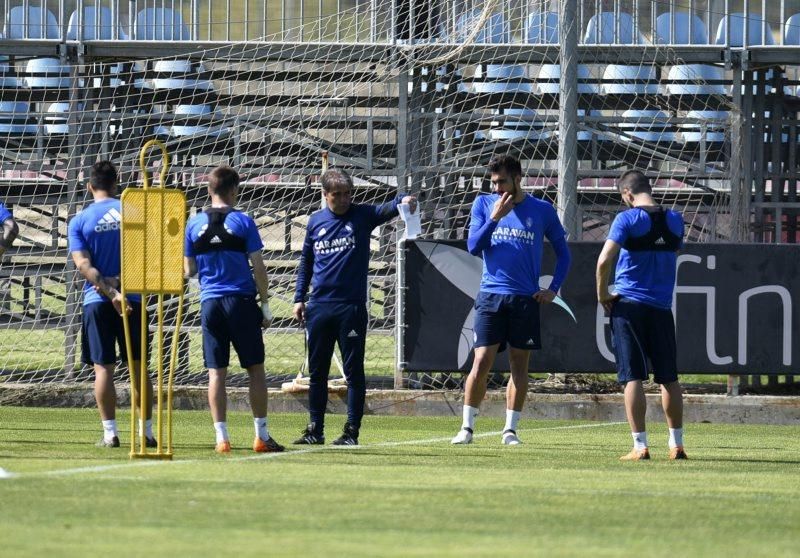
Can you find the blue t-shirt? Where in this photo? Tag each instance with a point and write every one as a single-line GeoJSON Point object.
{"type": "Point", "coordinates": [224, 272]}
{"type": "Point", "coordinates": [335, 258]}
{"type": "Point", "coordinates": [645, 276]}
{"type": "Point", "coordinates": [512, 262]}
{"type": "Point", "coordinates": [5, 214]}
{"type": "Point", "coordinates": [96, 229]}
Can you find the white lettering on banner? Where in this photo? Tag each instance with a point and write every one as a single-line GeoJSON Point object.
{"type": "Point", "coordinates": [602, 321]}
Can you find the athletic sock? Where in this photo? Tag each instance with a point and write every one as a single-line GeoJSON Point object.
{"type": "Point", "coordinates": [639, 440]}
{"type": "Point", "coordinates": [109, 429]}
{"type": "Point", "coordinates": [469, 414]}
{"type": "Point", "coordinates": [675, 437]}
{"type": "Point", "coordinates": [260, 424]}
{"type": "Point", "coordinates": [221, 428]}
{"type": "Point", "coordinates": [148, 428]}
{"type": "Point", "coordinates": [512, 418]}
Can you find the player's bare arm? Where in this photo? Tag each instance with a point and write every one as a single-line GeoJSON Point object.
{"type": "Point", "coordinates": [262, 285]}
{"type": "Point", "coordinates": [605, 263]}
{"type": "Point", "coordinates": [83, 263]}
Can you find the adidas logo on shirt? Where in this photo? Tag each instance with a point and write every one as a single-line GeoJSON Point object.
{"type": "Point", "coordinates": [215, 240]}
{"type": "Point", "coordinates": [109, 222]}
{"type": "Point", "coordinates": [352, 333]}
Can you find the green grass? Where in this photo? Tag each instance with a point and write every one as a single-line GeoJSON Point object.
{"type": "Point", "coordinates": [404, 492]}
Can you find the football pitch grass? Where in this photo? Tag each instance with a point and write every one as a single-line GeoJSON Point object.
{"type": "Point", "coordinates": [406, 491]}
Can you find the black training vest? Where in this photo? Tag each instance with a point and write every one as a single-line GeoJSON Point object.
{"type": "Point", "coordinates": [659, 238]}
{"type": "Point", "coordinates": [216, 237]}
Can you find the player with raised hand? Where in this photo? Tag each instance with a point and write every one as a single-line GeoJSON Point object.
{"type": "Point", "coordinates": [644, 240]}
{"type": "Point", "coordinates": [219, 243]}
{"type": "Point", "coordinates": [507, 228]}
{"type": "Point", "coordinates": [94, 243]}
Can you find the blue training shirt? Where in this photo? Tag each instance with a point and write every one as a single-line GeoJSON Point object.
{"type": "Point", "coordinates": [335, 258]}
{"type": "Point", "coordinates": [646, 276]}
{"type": "Point", "coordinates": [512, 247]}
{"type": "Point", "coordinates": [5, 214]}
{"type": "Point", "coordinates": [96, 230]}
{"type": "Point", "coordinates": [224, 272]}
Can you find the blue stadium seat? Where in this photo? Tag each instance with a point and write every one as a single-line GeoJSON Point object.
{"type": "Point", "coordinates": [606, 28]}
{"type": "Point", "coordinates": [8, 76]}
{"type": "Point", "coordinates": [16, 122]}
{"type": "Point", "coordinates": [649, 125]}
{"type": "Point", "coordinates": [185, 130]}
{"type": "Point", "coordinates": [160, 24]}
{"type": "Point", "coordinates": [35, 22]}
{"type": "Point", "coordinates": [542, 28]}
{"type": "Point", "coordinates": [680, 35]}
{"type": "Point", "coordinates": [46, 72]}
{"type": "Point", "coordinates": [97, 24]}
{"type": "Point", "coordinates": [714, 133]}
{"type": "Point", "coordinates": [792, 33]}
{"type": "Point", "coordinates": [619, 29]}
{"type": "Point", "coordinates": [755, 31]}
{"type": "Point", "coordinates": [692, 79]}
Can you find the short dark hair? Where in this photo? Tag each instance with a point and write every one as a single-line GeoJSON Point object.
{"type": "Point", "coordinates": [635, 181]}
{"type": "Point", "coordinates": [335, 177]}
{"type": "Point", "coordinates": [507, 163]}
{"type": "Point", "coordinates": [104, 176]}
{"type": "Point", "coordinates": [223, 180]}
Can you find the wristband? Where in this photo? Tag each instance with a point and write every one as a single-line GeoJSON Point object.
{"type": "Point", "coordinates": [266, 312]}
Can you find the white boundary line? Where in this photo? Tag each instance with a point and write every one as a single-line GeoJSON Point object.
{"type": "Point", "coordinates": [4, 474]}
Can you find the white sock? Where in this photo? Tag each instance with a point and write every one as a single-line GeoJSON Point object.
{"type": "Point", "coordinates": [221, 428]}
{"type": "Point", "coordinates": [512, 418]}
{"type": "Point", "coordinates": [639, 440]}
{"type": "Point", "coordinates": [109, 429]}
{"type": "Point", "coordinates": [675, 437]}
{"type": "Point", "coordinates": [148, 428]}
{"type": "Point", "coordinates": [469, 414]}
{"type": "Point", "coordinates": [261, 428]}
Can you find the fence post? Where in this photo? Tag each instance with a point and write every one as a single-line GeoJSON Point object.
{"type": "Point", "coordinates": [567, 200]}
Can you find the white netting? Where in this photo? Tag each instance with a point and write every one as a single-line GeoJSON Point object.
{"type": "Point", "coordinates": [271, 116]}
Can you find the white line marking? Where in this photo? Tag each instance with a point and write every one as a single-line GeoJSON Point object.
{"type": "Point", "coordinates": [263, 456]}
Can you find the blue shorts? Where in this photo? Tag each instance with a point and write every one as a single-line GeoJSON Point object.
{"type": "Point", "coordinates": [102, 330]}
{"type": "Point", "coordinates": [230, 320]}
{"type": "Point", "coordinates": [640, 332]}
{"type": "Point", "coordinates": [502, 318]}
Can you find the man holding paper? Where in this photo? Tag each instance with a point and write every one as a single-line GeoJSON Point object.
{"type": "Point", "coordinates": [335, 262]}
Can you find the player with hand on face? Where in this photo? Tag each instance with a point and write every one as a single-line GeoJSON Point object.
{"type": "Point", "coordinates": [508, 228]}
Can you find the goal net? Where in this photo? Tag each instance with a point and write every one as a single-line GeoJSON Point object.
{"type": "Point", "coordinates": [421, 113]}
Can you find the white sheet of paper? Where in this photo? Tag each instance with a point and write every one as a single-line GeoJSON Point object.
{"type": "Point", "coordinates": [412, 221]}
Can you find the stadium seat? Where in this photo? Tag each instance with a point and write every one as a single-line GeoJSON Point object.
{"type": "Point", "coordinates": [542, 28]}
{"type": "Point", "coordinates": [184, 76]}
{"type": "Point", "coordinates": [35, 22]}
{"type": "Point", "coordinates": [755, 31]}
{"type": "Point", "coordinates": [46, 72]}
{"type": "Point", "coordinates": [8, 76]}
{"type": "Point", "coordinates": [97, 25]}
{"type": "Point", "coordinates": [608, 28]}
{"type": "Point", "coordinates": [649, 125]}
{"type": "Point", "coordinates": [680, 35]}
{"type": "Point", "coordinates": [184, 130]}
{"type": "Point", "coordinates": [15, 122]}
{"type": "Point", "coordinates": [160, 24]}
{"type": "Point", "coordinates": [714, 133]}
{"type": "Point", "coordinates": [692, 79]}
{"type": "Point", "coordinates": [629, 80]}
{"type": "Point", "coordinates": [792, 33]}
{"type": "Point", "coordinates": [619, 29]}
